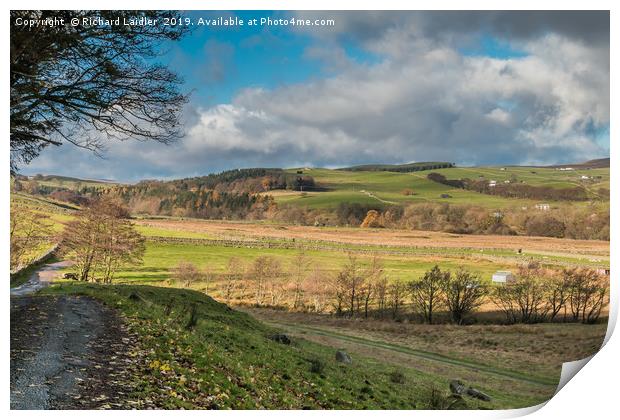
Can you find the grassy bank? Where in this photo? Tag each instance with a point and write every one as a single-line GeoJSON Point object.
{"type": "Point", "coordinates": [194, 352]}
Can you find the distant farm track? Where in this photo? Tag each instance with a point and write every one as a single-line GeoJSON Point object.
{"type": "Point", "coordinates": [308, 332]}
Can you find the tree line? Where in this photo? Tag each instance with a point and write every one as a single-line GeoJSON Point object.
{"type": "Point", "coordinates": [514, 189]}
{"type": "Point", "coordinates": [364, 290]}
{"type": "Point", "coordinates": [232, 201]}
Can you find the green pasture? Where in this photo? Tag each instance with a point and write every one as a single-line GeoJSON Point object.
{"type": "Point", "coordinates": [385, 188]}
{"type": "Point", "coordinates": [161, 258]}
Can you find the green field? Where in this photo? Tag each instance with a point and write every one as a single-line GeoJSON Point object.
{"type": "Point", "coordinates": [161, 258]}
{"type": "Point", "coordinates": [385, 188]}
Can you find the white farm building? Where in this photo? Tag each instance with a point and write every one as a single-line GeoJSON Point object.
{"type": "Point", "coordinates": [503, 277]}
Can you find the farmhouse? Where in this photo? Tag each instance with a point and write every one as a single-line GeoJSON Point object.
{"type": "Point", "coordinates": [492, 183]}
{"type": "Point", "coordinates": [542, 206]}
{"type": "Point", "coordinates": [503, 277]}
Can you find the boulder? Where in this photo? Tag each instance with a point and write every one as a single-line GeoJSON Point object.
{"type": "Point", "coordinates": [475, 393]}
{"type": "Point", "coordinates": [281, 338]}
{"type": "Point", "coordinates": [343, 357]}
{"type": "Point", "coordinates": [457, 387]}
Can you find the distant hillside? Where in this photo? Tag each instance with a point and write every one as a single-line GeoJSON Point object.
{"type": "Point", "coordinates": [590, 164]}
{"type": "Point", "coordinates": [407, 167]}
{"type": "Point", "coordinates": [61, 178]}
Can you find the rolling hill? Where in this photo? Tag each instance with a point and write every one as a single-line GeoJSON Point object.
{"type": "Point", "coordinates": [383, 188]}
{"type": "Point", "coordinates": [379, 185]}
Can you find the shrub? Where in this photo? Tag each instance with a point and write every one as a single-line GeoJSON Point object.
{"type": "Point", "coordinates": [438, 400]}
{"type": "Point", "coordinates": [372, 220]}
{"type": "Point", "coordinates": [186, 274]}
{"type": "Point", "coordinates": [397, 377]}
{"type": "Point", "coordinates": [545, 226]}
{"type": "Point", "coordinates": [317, 366]}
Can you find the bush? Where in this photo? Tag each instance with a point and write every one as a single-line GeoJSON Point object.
{"type": "Point", "coordinates": [186, 274]}
{"type": "Point", "coordinates": [372, 220]}
{"type": "Point", "coordinates": [317, 366]}
{"type": "Point", "coordinates": [397, 377]}
{"type": "Point", "coordinates": [437, 400]}
{"type": "Point", "coordinates": [545, 226]}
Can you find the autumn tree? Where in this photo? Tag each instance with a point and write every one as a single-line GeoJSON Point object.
{"type": "Point", "coordinates": [263, 271]}
{"type": "Point", "coordinates": [382, 294]}
{"type": "Point", "coordinates": [372, 220]}
{"type": "Point", "coordinates": [558, 288]}
{"type": "Point", "coordinates": [100, 240]}
{"type": "Point", "coordinates": [463, 293]}
{"type": "Point", "coordinates": [374, 276]}
{"type": "Point", "coordinates": [299, 268]}
{"type": "Point", "coordinates": [525, 298]}
{"type": "Point", "coordinates": [28, 232]}
{"type": "Point", "coordinates": [397, 292]}
{"type": "Point", "coordinates": [427, 293]}
{"type": "Point", "coordinates": [186, 273]}
{"type": "Point", "coordinates": [81, 84]}
{"type": "Point", "coordinates": [317, 288]}
{"type": "Point", "coordinates": [587, 294]}
{"type": "Point", "coordinates": [348, 285]}
{"type": "Point", "coordinates": [234, 275]}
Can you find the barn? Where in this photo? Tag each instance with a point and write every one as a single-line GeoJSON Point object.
{"type": "Point", "coordinates": [503, 277]}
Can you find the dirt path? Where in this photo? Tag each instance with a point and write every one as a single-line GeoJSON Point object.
{"type": "Point", "coordinates": [67, 352]}
{"type": "Point", "coordinates": [371, 195]}
{"type": "Point", "coordinates": [40, 279]}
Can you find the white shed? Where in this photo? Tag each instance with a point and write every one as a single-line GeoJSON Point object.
{"type": "Point", "coordinates": [503, 277]}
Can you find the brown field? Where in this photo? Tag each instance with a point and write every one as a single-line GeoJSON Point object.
{"type": "Point", "coordinates": [391, 237]}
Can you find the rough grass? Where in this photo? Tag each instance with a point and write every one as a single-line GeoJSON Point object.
{"type": "Point", "coordinates": [227, 361]}
{"type": "Point", "coordinates": [538, 350]}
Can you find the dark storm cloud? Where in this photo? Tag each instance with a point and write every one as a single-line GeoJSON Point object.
{"type": "Point", "coordinates": [588, 26]}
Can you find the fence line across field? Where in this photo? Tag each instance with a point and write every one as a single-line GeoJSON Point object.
{"type": "Point", "coordinates": [311, 245]}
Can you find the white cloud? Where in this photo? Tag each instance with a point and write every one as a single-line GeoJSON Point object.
{"type": "Point", "coordinates": [423, 101]}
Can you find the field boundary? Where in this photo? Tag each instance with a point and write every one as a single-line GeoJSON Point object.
{"type": "Point", "coordinates": [335, 246]}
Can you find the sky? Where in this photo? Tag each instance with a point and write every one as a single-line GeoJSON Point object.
{"type": "Point", "coordinates": [475, 88]}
